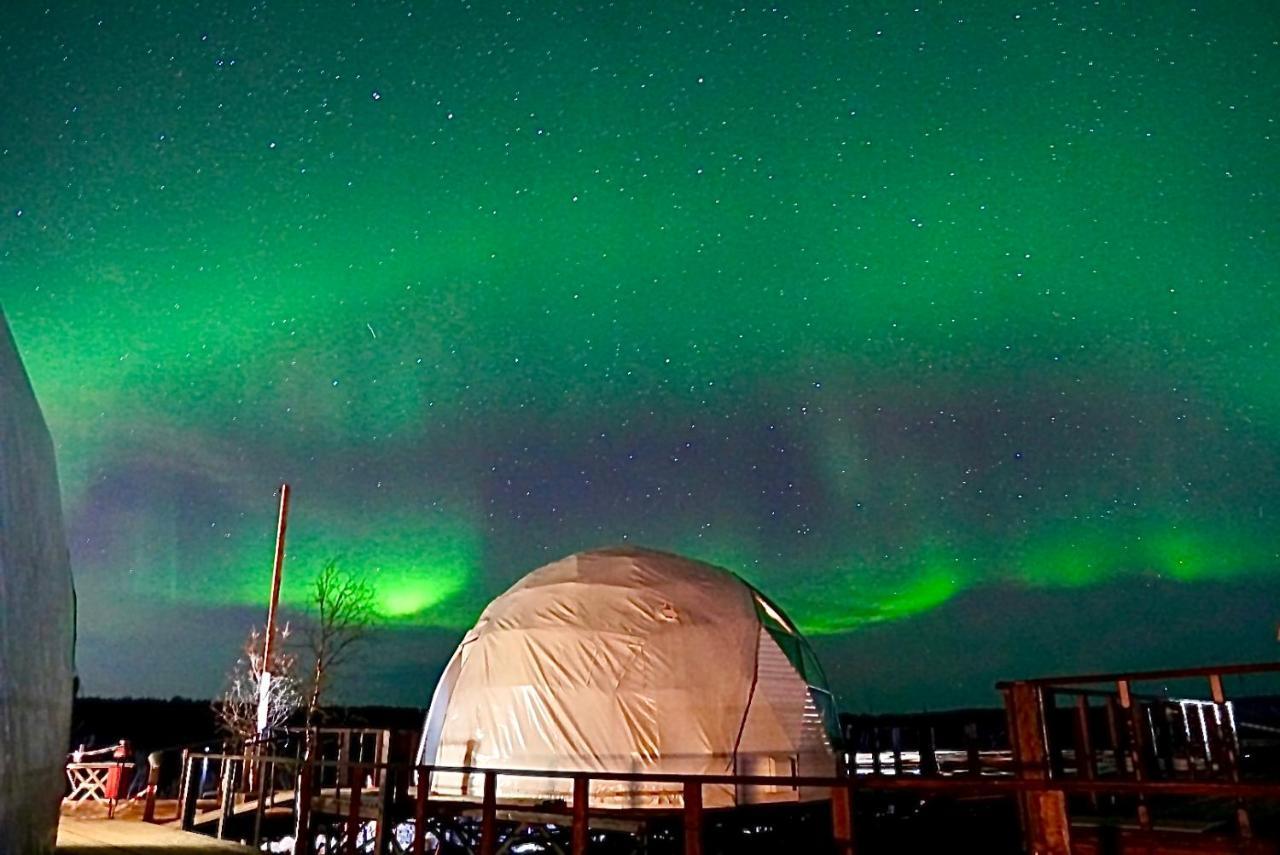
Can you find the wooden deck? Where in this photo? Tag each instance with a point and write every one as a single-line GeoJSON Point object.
{"type": "Point", "coordinates": [122, 837]}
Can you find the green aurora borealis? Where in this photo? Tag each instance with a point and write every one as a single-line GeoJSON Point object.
{"type": "Point", "coordinates": [930, 319]}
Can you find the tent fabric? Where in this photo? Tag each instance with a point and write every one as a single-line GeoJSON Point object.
{"type": "Point", "coordinates": [37, 618]}
{"type": "Point", "coordinates": [628, 660]}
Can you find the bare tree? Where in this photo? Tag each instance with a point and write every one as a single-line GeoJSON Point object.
{"type": "Point", "coordinates": [345, 604]}
{"type": "Point", "coordinates": [237, 709]}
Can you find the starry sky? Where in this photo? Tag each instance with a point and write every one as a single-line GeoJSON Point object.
{"type": "Point", "coordinates": [949, 325]}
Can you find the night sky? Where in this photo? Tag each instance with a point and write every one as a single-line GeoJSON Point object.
{"type": "Point", "coordinates": [949, 325]}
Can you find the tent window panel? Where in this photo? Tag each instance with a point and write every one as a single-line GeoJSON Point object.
{"type": "Point", "coordinates": [771, 616]}
{"type": "Point", "coordinates": [791, 648]}
{"type": "Point", "coordinates": [812, 670]}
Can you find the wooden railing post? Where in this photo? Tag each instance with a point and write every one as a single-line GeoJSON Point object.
{"type": "Point", "coordinates": [692, 818]}
{"type": "Point", "coordinates": [842, 819]}
{"type": "Point", "coordinates": [489, 815]}
{"type": "Point", "coordinates": [1044, 812]}
{"type": "Point", "coordinates": [1136, 741]}
{"type": "Point", "coordinates": [190, 792]}
{"type": "Point", "coordinates": [382, 753]}
{"type": "Point", "coordinates": [1048, 706]}
{"type": "Point", "coordinates": [227, 796]}
{"type": "Point", "coordinates": [354, 786]}
{"type": "Point", "coordinates": [263, 775]}
{"type": "Point", "coordinates": [420, 811]}
{"type": "Point", "coordinates": [302, 810]}
{"type": "Point", "coordinates": [581, 821]}
{"type": "Point", "coordinates": [386, 804]}
{"type": "Point", "coordinates": [1086, 765]}
{"type": "Point", "coordinates": [153, 781]}
{"type": "Point", "coordinates": [1230, 749]}
{"type": "Point", "coordinates": [973, 753]}
{"type": "Point", "coordinates": [928, 751]}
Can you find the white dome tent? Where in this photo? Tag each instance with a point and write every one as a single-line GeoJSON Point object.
{"type": "Point", "coordinates": [37, 618]}
{"type": "Point", "coordinates": [629, 660]}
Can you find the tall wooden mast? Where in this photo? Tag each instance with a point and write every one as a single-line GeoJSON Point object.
{"type": "Point", "coordinates": [277, 571]}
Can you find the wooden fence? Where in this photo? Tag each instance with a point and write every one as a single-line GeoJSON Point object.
{"type": "Point", "coordinates": [1056, 757]}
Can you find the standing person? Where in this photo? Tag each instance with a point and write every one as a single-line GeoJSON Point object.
{"type": "Point", "coordinates": [115, 775]}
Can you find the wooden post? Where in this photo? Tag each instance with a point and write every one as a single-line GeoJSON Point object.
{"type": "Point", "coordinates": [581, 821]}
{"type": "Point", "coordinates": [228, 796]}
{"type": "Point", "coordinates": [302, 811]}
{"type": "Point", "coordinates": [895, 733]}
{"type": "Point", "coordinates": [1214, 750]}
{"type": "Point", "coordinates": [344, 758]}
{"type": "Point", "coordinates": [187, 799]}
{"type": "Point", "coordinates": [928, 751]}
{"type": "Point", "coordinates": [263, 775]}
{"type": "Point", "coordinates": [386, 804]}
{"type": "Point", "coordinates": [1086, 767]}
{"type": "Point", "coordinates": [489, 816]}
{"type": "Point", "coordinates": [692, 818]}
{"type": "Point", "coordinates": [277, 569]}
{"type": "Point", "coordinates": [1044, 812]}
{"type": "Point", "coordinates": [1133, 727]}
{"type": "Point", "coordinates": [1049, 705]}
{"type": "Point", "coordinates": [842, 819]}
{"type": "Point", "coordinates": [354, 785]}
{"type": "Point", "coordinates": [972, 750]}
{"type": "Point", "coordinates": [153, 781]}
{"type": "Point", "coordinates": [268, 642]}
{"type": "Point", "coordinates": [852, 738]}
{"type": "Point", "coordinates": [1163, 747]}
{"type": "Point", "coordinates": [420, 811]}
{"type": "Point", "coordinates": [876, 767]}
{"type": "Point", "coordinates": [386, 790]}
{"type": "Point", "coordinates": [1230, 749]}
{"type": "Point", "coordinates": [1115, 733]}
{"type": "Point", "coordinates": [1193, 745]}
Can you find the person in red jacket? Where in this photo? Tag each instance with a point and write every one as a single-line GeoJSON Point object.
{"type": "Point", "coordinates": [115, 775]}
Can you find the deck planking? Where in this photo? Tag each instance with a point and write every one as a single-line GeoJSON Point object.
{"type": "Point", "coordinates": [93, 836]}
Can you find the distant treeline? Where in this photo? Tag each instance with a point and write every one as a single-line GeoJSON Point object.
{"type": "Point", "coordinates": [152, 724]}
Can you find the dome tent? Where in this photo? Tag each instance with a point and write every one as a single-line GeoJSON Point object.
{"type": "Point", "coordinates": [630, 660]}
{"type": "Point", "coordinates": [37, 618]}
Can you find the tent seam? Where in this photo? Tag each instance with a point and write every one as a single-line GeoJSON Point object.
{"type": "Point", "coordinates": [751, 695]}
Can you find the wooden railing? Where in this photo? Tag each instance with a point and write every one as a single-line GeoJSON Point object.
{"type": "Point", "coordinates": [1138, 757]}
{"type": "Point", "coordinates": [1057, 762]}
{"type": "Point", "coordinates": [357, 805]}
